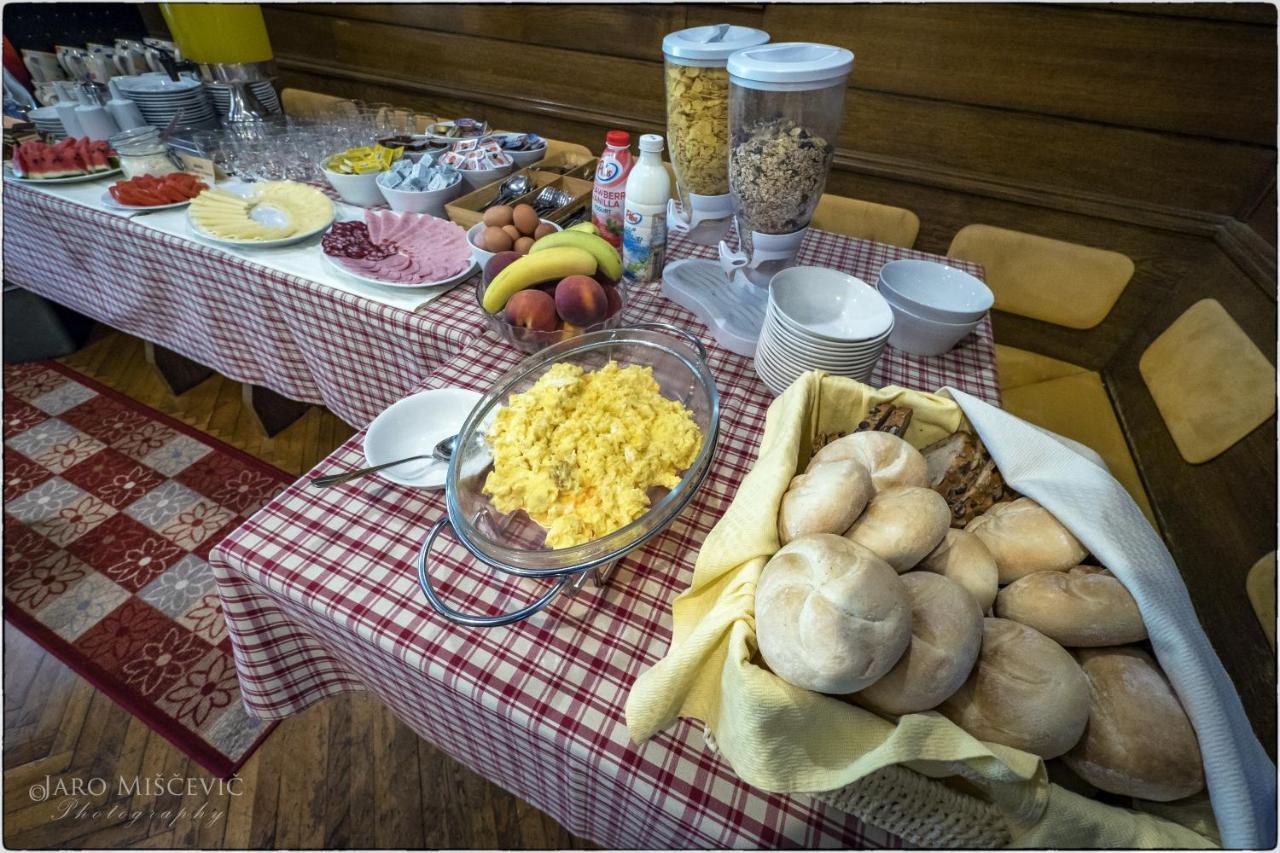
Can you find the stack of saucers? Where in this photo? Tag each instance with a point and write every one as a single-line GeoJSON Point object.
{"type": "Point", "coordinates": [934, 306]}
{"type": "Point", "coordinates": [262, 90]}
{"type": "Point", "coordinates": [159, 99]}
{"type": "Point", "coordinates": [47, 122]}
{"type": "Point", "coordinates": [821, 319]}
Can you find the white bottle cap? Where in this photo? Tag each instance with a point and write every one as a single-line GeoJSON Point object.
{"type": "Point", "coordinates": [650, 142]}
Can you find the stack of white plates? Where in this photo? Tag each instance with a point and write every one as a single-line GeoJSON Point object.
{"type": "Point", "coordinates": [264, 91]}
{"type": "Point", "coordinates": [934, 306]}
{"type": "Point", "coordinates": [47, 122]}
{"type": "Point", "coordinates": [821, 319]}
{"type": "Point", "coordinates": [159, 99]}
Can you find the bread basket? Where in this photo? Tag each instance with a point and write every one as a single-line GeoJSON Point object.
{"type": "Point", "coordinates": [921, 776]}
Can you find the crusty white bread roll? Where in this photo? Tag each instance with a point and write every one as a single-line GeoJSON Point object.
{"type": "Point", "coordinates": [946, 633]}
{"type": "Point", "coordinates": [830, 615]}
{"type": "Point", "coordinates": [826, 499]}
{"type": "Point", "coordinates": [891, 461]}
{"type": "Point", "coordinates": [1024, 537]}
{"type": "Point", "coordinates": [1086, 606]}
{"type": "Point", "coordinates": [963, 558]}
{"type": "Point", "coordinates": [1139, 742]}
{"type": "Point", "coordinates": [902, 525]}
{"type": "Point", "coordinates": [1026, 691]}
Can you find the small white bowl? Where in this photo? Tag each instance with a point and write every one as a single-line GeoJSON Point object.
{"type": "Point", "coordinates": [477, 178]}
{"type": "Point", "coordinates": [360, 190]}
{"type": "Point", "coordinates": [922, 336]}
{"type": "Point", "coordinates": [829, 304]}
{"type": "Point", "coordinates": [935, 291]}
{"type": "Point", "coordinates": [422, 201]}
{"type": "Point", "coordinates": [412, 427]}
{"type": "Point", "coordinates": [482, 256]}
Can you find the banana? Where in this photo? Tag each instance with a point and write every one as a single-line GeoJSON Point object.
{"type": "Point", "coordinates": [550, 265]}
{"type": "Point", "coordinates": [588, 227]}
{"type": "Point", "coordinates": [606, 256]}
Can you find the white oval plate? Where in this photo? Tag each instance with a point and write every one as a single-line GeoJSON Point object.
{"type": "Point", "coordinates": [108, 201]}
{"type": "Point", "coordinates": [256, 244]}
{"type": "Point", "coordinates": [74, 179]}
{"type": "Point", "coordinates": [414, 426]}
{"type": "Point", "coordinates": [400, 285]}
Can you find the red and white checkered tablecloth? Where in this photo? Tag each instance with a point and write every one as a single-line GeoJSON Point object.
{"type": "Point", "coordinates": [252, 323]}
{"type": "Point", "coordinates": [321, 596]}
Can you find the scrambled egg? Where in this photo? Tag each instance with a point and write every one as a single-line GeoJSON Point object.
{"type": "Point", "coordinates": [578, 451]}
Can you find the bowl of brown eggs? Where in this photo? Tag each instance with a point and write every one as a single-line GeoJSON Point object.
{"type": "Point", "coordinates": [507, 228]}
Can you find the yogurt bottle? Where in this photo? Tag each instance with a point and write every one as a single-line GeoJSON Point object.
{"type": "Point", "coordinates": [644, 230]}
{"type": "Point", "coordinates": [609, 194]}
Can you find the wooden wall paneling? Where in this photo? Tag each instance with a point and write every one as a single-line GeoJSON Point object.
{"type": "Point", "coordinates": [1247, 13]}
{"type": "Point", "coordinates": [1210, 78]}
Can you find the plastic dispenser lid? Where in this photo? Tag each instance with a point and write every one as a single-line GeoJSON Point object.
{"type": "Point", "coordinates": [790, 65]}
{"type": "Point", "coordinates": [710, 45]}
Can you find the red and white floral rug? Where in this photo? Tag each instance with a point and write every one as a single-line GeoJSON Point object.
{"type": "Point", "coordinates": [110, 512]}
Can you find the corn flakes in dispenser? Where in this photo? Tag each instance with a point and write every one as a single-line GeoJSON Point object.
{"type": "Point", "coordinates": [698, 127]}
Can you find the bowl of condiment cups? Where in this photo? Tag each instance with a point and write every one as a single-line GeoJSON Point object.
{"type": "Point", "coordinates": [821, 319]}
{"type": "Point", "coordinates": [360, 190]}
{"type": "Point", "coordinates": [477, 178]}
{"type": "Point", "coordinates": [934, 306]}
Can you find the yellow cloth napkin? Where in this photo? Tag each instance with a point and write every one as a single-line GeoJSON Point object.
{"type": "Point", "coordinates": [781, 738]}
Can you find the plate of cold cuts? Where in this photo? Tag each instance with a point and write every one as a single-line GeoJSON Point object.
{"type": "Point", "coordinates": [396, 249]}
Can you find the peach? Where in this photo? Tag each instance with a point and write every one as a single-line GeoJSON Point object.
{"type": "Point", "coordinates": [614, 298]}
{"type": "Point", "coordinates": [498, 263]}
{"type": "Point", "coordinates": [581, 301]}
{"type": "Point", "coordinates": [532, 309]}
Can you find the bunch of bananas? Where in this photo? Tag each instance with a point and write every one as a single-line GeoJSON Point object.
{"type": "Point", "coordinates": [579, 250]}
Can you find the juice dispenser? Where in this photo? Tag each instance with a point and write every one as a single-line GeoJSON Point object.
{"type": "Point", "coordinates": [229, 43]}
{"type": "Point", "coordinates": [786, 102]}
{"type": "Point", "coordinates": [697, 85]}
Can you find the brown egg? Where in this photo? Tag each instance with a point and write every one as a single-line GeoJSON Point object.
{"type": "Point", "coordinates": [512, 232]}
{"type": "Point", "coordinates": [525, 218]}
{"type": "Point", "coordinates": [499, 215]}
{"type": "Point", "coordinates": [543, 229]}
{"type": "Point", "coordinates": [495, 239]}
{"type": "Point", "coordinates": [523, 245]}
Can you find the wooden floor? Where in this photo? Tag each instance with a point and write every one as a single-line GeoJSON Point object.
{"type": "Point", "coordinates": [346, 773]}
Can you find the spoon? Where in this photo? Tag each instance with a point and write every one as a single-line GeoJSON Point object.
{"type": "Point", "coordinates": [441, 453]}
{"type": "Point", "coordinates": [516, 185]}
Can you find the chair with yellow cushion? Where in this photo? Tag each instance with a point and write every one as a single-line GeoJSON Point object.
{"type": "Point", "coordinates": [1045, 279]}
{"type": "Point", "coordinates": [300, 102]}
{"type": "Point", "coordinates": [866, 220]}
{"type": "Point", "coordinates": [560, 152]}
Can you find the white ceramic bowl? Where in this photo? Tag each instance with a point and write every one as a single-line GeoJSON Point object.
{"type": "Point", "coordinates": [481, 256]}
{"type": "Point", "coordinates": [795, 338]}
{"type": "Point", "coordinates": [412, 427]}
{"type": "Point", "coordinates": [829, 304]}
{"type": "Point", "coordinates": [780, 353]}
{"type": "Point", "coordinates": [528, 158]}
{"type": "Point", "coordinates": [935, 291]}
{"type": "Point", "coordinates": [922, 336]}
{"type": "Point", "coordinates": [422, 201]}
{"type": "Point", "coordinates": [360, 190]}
{"type": "Point", "coordinates": [477, 178]}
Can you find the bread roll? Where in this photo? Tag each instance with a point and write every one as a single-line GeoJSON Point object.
{"type": "Point", "coordinates": [1025, 538]}
{"type": "Point", "coordinates": [1139, 742]}
{"type": "Point", "coordinates": [891, 461]}
{"type": "Point", "coordinates": [830, 615]}
{"type": "Point", "coordinates": [964, 559]}
{"type": "Point", "coordinates": [902, 525]}
{"type": "Point", "coordinates": [946, 633]}
{"type": "Point", "coordinates": [1084, 606]}
{"type": "Point", "coordinates": [826, 499]}
{"type": "Point", "coordinates": [1026, 691]}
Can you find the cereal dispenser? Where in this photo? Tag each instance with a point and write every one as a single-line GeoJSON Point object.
{"type": "Point", "coordinates": [786, 102]}
{"type": "Point", "coordinates": [698, 125]}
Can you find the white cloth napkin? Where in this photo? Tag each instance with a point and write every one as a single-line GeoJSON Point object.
{"type": "Point", "coordinates": [1088, 500]}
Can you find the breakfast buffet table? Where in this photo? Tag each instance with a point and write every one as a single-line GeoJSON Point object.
{"type": "Point", "coordinates": [320, 591]}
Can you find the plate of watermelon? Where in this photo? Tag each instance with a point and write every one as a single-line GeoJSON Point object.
{"type": "Point", "coordinates": [148, 192]}
{"type": "Point", "coordinates": [65, 162]}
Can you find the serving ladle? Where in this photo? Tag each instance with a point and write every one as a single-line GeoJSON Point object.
{"type": "Point", "coordinates": [441, 453]}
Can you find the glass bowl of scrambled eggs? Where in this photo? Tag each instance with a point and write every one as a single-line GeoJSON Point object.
{"type": "Point", "coordinates": [580, 454]}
